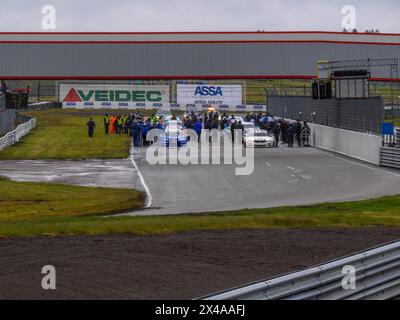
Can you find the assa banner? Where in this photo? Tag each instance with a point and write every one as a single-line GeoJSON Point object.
{"type": "Point", "coordinates": [209, 94]}
{"type": "Point", "coordinates": [112, 95]}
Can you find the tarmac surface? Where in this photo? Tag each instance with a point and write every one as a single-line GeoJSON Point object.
{"type": "Point", "coordinates": [281, 177]}
{"type": "Point", "coordinates": [91, 173]}
{"type": "Point", "coordinates": [175, 266]}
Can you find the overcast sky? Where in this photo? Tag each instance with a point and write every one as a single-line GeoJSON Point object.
{"type": "Point", "coordinates": [199, 15]}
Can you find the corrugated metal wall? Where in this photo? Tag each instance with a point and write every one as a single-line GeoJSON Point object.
{"type": "Point", "coordinates": [2, 101]}
{"type": "Point", "coordinates": [365, 115]}
{"type": "Point", "coordinates": [7, 121]}
{"type": "Point", "coordinates": [180, 60]}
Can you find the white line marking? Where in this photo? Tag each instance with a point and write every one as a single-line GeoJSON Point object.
{"type": "Point", "coordinates": [146, 188]}
{"type": "Point", "coordinates": [362, 165]}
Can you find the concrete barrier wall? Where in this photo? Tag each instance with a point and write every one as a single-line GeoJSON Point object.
{"type": "Point", "coordinates": [358, 145]}
{"type": "Point", "coordinates": [7, 121]}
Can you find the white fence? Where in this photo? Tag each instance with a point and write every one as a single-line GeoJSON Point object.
{"type": "Point", "coordinates": [14, 136]}
{"type": "Point", "coordinates": [362, 146]}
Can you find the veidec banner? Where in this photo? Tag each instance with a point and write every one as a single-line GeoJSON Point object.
{"type": "Point", "coordinates": [112, 95]}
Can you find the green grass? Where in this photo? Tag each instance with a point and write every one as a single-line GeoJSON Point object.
{"type": "Point", "coordinates": [255, 89]}
{"type": "Point", "coordinates": [31, 201]}
{"type": "Point", "coordinates": [32, 209]}
{"type": "Point", "coordinates": [62, 134]}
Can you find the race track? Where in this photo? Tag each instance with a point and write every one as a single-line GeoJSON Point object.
{"type": "Point", "coordinates": [282, 177]}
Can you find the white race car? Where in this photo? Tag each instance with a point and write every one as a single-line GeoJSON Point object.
{"type": "Point", "coordinates": [255, 137]}
{"type": "Point", "coordinates": [171, 118]}
{"type": "Point", "coordinates": [237, 119]}
{"type": "Point", "coordinates": [248, 125]}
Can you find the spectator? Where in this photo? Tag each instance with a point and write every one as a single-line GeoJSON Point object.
{"type": "Point", "coordinates": [276, 131]}
{"type": "Point", "coordinates": [91, 125]}
{"type": "Point", "coordinates": [290, 135]}
{"type": "Point", "coordinates": [106, 123]}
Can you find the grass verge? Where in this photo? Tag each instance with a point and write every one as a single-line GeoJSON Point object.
{"type": "Point", "coordinates": [62, 134]}
{"type": "Point", "coordinates": [31, 202]}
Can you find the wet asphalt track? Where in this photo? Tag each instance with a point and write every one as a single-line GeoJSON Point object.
{"type": "Point", "coordinates": [282, 177]}
{"type": "Point", "coordinates": [91, 173]}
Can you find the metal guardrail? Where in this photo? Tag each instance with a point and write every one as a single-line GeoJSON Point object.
{"type": "Point", "coordinates": [14, 136]}
{"type": "Point", "coordinates": [377, 275]}
{"type": "Point", "coordinates": [390, 157]}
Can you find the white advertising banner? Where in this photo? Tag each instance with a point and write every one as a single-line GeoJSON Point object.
{"type": "Point", "coordinates": [209, 94]}
{"type": "Point", "coordinates": [113, 95]}
{"type": "Point", "coordinates": [175, 106]}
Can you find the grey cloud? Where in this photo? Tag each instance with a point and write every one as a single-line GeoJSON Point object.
{"type": "Point", "coordinates": [200, 15]}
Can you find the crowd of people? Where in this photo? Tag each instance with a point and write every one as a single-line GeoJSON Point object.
{"type": "Point", "coordinates": [134, 125]}
{"type": "Point", "coordinates": [138, 126]}
{"type": "Point", "coordinates": [288, 132]}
